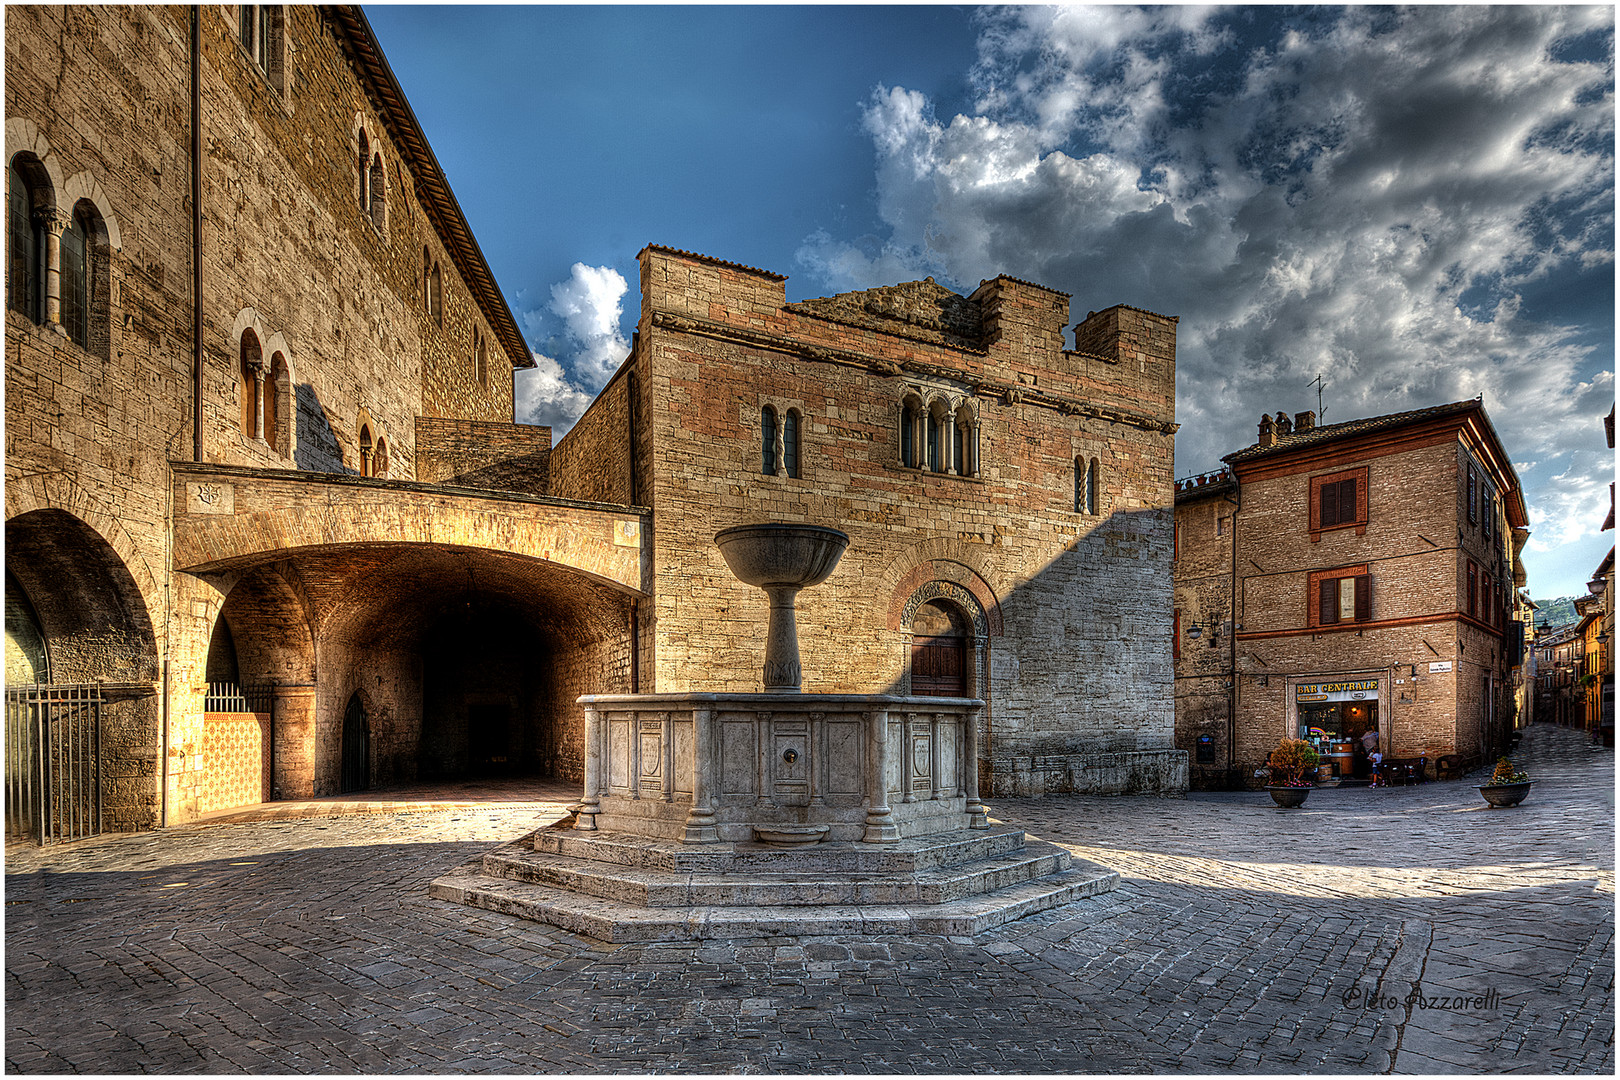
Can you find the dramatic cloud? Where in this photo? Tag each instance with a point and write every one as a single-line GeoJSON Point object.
{"type": "Point", "coordinates": [589, 305]}
{"type": "Point", "coordinates": [1377, 196]}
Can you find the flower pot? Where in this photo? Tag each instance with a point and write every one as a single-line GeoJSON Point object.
{"type": "Point", "coordinates": [1289, 797]}
{"type": "Point", "coordinates": [1506, 794]}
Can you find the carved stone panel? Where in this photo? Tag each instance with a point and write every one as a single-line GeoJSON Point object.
{"type": "Point", "coordinates": [846, 757]}
{"type": "Point", "coordinates": [738, 769]}
{"type": "Point", "coordinates": [619, 732]}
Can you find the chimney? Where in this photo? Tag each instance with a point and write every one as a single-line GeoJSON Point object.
{"type": "Point", "coordinates": [1268, 437]}
{"type": "Point", "coordinates": [1283, 426]}
{"type": "Point", "coordinates": [1304, 421]}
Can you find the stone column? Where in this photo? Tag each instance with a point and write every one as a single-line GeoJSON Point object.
{"type": "Point", "coordinates": [978, 813]}
{"type": "Point", "coordinates": [701, 821]}
{"type": "Point", "coordinates": [591, 804]}
{"type": "Point", "coordinates": [880, 824]}
{"type": "Point", "coordinates": [52, 221]}
{"type": "Point", "coordinates": [292, 733]}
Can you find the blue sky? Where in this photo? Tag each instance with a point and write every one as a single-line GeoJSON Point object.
{"type": "Point", "coordinates": [1417, 205]}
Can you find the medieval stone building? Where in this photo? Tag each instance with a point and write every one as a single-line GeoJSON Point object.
{"type": "Point", "coordinates": [270, 532]}
{"type": "Point", "coordinates": [1348, 582]}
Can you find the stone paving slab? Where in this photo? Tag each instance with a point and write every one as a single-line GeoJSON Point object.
{"type": "Point", "coordinates": [1241, 938]}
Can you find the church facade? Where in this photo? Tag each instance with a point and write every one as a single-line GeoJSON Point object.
{"type": "Point", "coordinates": [270, 532]}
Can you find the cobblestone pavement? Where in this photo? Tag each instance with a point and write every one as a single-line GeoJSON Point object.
{"type": "Point", "coordinates": [1242, 938]}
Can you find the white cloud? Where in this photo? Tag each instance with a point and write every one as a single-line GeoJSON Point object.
{"type": "Point", "coordinates": [1361, 193]}
{"type": "Point", "coordinates": [589, 304]}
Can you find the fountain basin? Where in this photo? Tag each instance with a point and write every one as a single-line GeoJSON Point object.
{"type": "Point", "coordinates": [779, 554]}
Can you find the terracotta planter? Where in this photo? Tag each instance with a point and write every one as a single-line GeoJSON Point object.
{"type": "Point", "coordinates": [1288, 797]}
{"type": "Point", "coordinates": [1506, 794]}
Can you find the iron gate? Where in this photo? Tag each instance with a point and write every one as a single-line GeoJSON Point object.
{"type": "Point", "coordinates": [53, 762]}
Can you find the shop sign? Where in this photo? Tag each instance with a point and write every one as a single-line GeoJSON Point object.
{"type": "Point", "coordinates": [1439, 666]}
{"type": "Point", "coordinates": [1357, 690]}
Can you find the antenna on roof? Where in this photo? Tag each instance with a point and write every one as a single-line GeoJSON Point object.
{"type": "Point", "coordinates": [1321, 413]}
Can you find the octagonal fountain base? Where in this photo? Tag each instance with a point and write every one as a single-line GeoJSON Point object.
{"type": "Point", "coordinates": [741, 815]}
{"type": "Point", "coordinates": [623, 888]}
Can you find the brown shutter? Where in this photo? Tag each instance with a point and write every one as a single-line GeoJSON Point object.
{"type": "Point", "coordinates": [1328, 605]}
{"type": "Point", "coordinates": [1330, 505]}
{"type": "Point", "coordinates": [1347, 502]}
{"type": "Point", "coordinates": [1363, 598]}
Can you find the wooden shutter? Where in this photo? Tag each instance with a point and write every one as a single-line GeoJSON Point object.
{"type": "Point", "coordinates": [1328, 605]}
{"type": "Point", "coordinates": [1347, 501]}
{"type": "Point", "coordinates": [1330, 505]}
{"type": "Point", "coordinates": [1363, 598]}
{"type": "Point", "coordinates": [1471, 589]}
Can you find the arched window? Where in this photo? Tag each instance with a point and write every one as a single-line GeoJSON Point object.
{"type": "Point", "coordinates": [377, 191]}
{"type": "Point", "coordinates": [427, 281]}
{"type": "Point", "coordinates": [365, 450]}
{"type": "Point", "coordinates": [967, 442]}
{"type": "Point", "coordinates": [908, 436]}
{"type": "Point", "coordinates": [790, 443]}
{"type": "Point", "coordinates": [252, 366]}
{"type": "Point", "coordinates": [480, 359]}
{"type": "Point", "coordinates": [767, 441]}
{"type": "Point", "coordinates": [379, 458]}
{"type": "Point", "coordinates": [939, 438]}
{"type": "Point", "coordinates": [363, 164]}
{"type": "Point", "coordinates": [262, 31]}
{"type": "Point", "coordinates": [25, 240]}
{"type": "Point", "coordinates": [277, 399]}
{"type": "Point", "coordinates": [74, 280]}
{"type": "Point", "coordinates": [437, 292]}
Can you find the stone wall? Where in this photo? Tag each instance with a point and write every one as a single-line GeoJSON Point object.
{"type": "Point", "coordinates": [1203, 598]}
{"type": "Point", "coordinates": [1078, 661]}
{"type": "Point", "coordinates": [484, 454]}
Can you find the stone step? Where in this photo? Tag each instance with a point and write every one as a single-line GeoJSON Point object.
{"type": "Point", "coordinates": [616, 921]}
{"type": "Point", "coordinates": [906, 856]}
{"type": "Point", "coordinates": [802, 885]}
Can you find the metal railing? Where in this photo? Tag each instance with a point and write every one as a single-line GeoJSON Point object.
{"type": "Point", "coordinates": [53, 761]}
{"type": "Point", "coordinates": [226, 697]}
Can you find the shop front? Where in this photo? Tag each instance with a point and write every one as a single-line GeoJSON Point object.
{"type": "Point", "coordinates": [1340, 718]}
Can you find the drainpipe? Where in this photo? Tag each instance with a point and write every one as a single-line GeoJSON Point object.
{"type": "Point", "coordinates": [1231, 642]}
{"type": "Point", "coordinates": [196, 237]}
{"type": "Point", "coordinates": [635, 646]}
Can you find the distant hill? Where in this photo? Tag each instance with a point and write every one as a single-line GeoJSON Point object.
{"type": "Point", "coordinates": [1555, 613]}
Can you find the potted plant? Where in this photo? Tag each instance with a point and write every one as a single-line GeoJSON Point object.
{"type": "Point", "coordinates": [1507, 785]}
{"type": "Point", "coordinates": [1291, 764]}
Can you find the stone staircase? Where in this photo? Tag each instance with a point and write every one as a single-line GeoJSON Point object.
{"type": "Point", "coordinates": [620, 888]}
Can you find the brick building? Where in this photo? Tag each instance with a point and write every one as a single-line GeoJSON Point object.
{"type": "Point", "coordinates": [1368, 571]}
{"type": "Point", "coordinates": [270, 532]}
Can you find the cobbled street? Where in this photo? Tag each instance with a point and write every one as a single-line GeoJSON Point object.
{"type": "Point", "coordinates": [1387, 930]}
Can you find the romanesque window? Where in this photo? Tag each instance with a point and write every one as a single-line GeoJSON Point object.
{"type": "Point", "coordinates": [277, 399]}
{"type": "Point", "coordinates": [248, 372]}
{"type": "Point", "coordinates": [75, 279]}
{"type": "Point", "coordinates": [25, 233]}
{"type": "Point", "coordinates": [436, 295]}
{"type": "Point", "coordinates": [937, 437]}
{"type": "Point", "coordinates": [379, 458]}
{"type": "Point", "coordinates": [790, 443]}
{"type": "Point", "coordinates": [767, 441]}
{"type": "Point", "coordinates": [362, 164]}
{"type": "Point", "coordinates": [427, 281]}
{"type": "Point", "coordinates": [480, 358]}
{"type": "Point", "coordinates": [365, 451]}
{"type": "Point", "coordinates": [262, 31]}
{"type": "Point", "coordinates": [1473, 496]}
{"type": "Point", "coordinates": [1085, 485]}
{"type": "Point", "coordinates": [908, 433]}
{"type": "Point", "coordinates": [377, 193]}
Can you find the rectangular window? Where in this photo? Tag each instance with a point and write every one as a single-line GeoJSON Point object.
{"type": "Point", "coordinates": [1341, 597]}
{"type": "Point", "coordinates": [1338, 500]}
{"type": "Point", "coordinates": [1473, 496]}
{"type": "Point", "coordinates": [1175, 637]}
{"type": "Point", "coordinates": [1220, 525]}
{"type": "Point", "coordinates": [1473, 574]}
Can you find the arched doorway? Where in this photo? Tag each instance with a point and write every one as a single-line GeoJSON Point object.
{"type": "Point", "coordinates": [939, 650]}
{"type": "Point", "coordinates": [356, 747]}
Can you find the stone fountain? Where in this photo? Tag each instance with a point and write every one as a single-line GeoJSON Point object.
{"type": "Point", "coordinates": [739, 815]}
